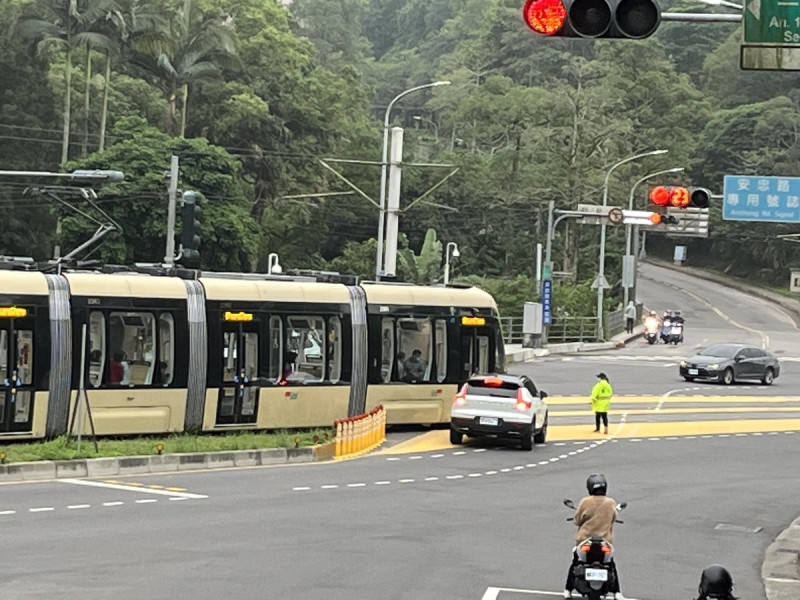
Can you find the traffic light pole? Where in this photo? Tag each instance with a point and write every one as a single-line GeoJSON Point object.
{"type": "Point", "coordinates": [169, 255]}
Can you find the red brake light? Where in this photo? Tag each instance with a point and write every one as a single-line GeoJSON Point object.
{"type": "Point", "coordinates": [522, 404]}
{"type": "Point", "coordinates": [493, 381]}
{"type": "Point", "coordinates": [461, 397]}
{"type": "Point", "coordinates": [585, 548]}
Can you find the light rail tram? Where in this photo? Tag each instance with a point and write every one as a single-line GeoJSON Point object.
{"type": "Point", "coordinates": [199, 351]}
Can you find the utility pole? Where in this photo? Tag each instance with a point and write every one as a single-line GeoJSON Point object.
{"type": "Point", "coordinates": [393, 201]}
{"type": "Point", "coordinates": [169, 256]}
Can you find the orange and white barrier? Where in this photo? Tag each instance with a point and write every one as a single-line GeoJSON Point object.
{"type": "Point", "coordinates": [356, 435]}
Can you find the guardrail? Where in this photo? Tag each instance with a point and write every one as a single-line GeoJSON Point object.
{"type": "Point", "coordinates": [569, 329]}
{"type": "Point", "coordinates": [360, 434]}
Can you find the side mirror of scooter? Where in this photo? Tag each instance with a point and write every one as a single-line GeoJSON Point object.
{"type": "Point", "coordinates": [569, 503]}
{"type": "Point", "coordinates": [622, 506]}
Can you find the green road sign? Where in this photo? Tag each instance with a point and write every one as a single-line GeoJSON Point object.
{"type": "Point", "coordinates": [775, 22]}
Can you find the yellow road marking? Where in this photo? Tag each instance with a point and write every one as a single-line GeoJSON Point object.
{"type": "Point", "coordinates": [175, 489]}
{"type": "Point", "coordinates": [683, 411]}
{"type": "Point", "coordinates": [155, 486]}
{"type": "Point", "coordinates": [674, 399]}
{"type": "Point", "coordinates": [440, 439]}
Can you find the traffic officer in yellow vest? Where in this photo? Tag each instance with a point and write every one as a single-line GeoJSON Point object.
{"type": "Point", "coordinates": [601, 401]}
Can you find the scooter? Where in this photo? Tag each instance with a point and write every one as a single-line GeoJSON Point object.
{"type": "Point", "coordinates": [593, 572]}
{"type": "Point", "coordinates": [676, 333]}
{"type": "Point", "coordinates": [666, 330]}
{"type": "Point", "coordinates": [651, 330]}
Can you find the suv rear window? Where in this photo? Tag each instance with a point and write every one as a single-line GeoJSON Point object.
{"type": "Point", "coordinates": [506, 389]}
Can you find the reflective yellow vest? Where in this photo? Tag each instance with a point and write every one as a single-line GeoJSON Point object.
{"type": "Point", "coordinates": [601, 396]}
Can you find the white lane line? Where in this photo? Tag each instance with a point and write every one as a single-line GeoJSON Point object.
{"type": "Point", "coordinates": [491, 472]}
{"type": "Point", "coordinates": [519, 467]}
{"type": "Point", "coordinates": [437, 455]}
{"type": "Point", "coordinates": [383, 483]}
{"type": "Point", "coordinates": [407, 481]}
{"type": "Point", "coordinates": [329, 487]}
{"type": "Point", "coordinates": [479, 450]}
{"type": "Point", "coordinates": [79, 506]}
{"type": "Point", "coordinates": [131, 488]}
{"type": "Point", "coordinates": [459, 453]}
{"type": "Point", "coordinates": [392, 458]}
{"type": "Point", "coordinates": [8, 512]}
{"type": "Point", "coordinates": [455, 477]}
{"type": "Point", "coordinates": [431, 479]}
{"type": "Point", "coordinates": [301, 489]}
{"type": "Point", "coordinates": [356, 485]}
{"type": "Point", "coordinates": [492, 593]}
{"type": "Point", "coordinates": [414, 457]}
{"type": "Point", "coordinates": [530, 465]}
{"type": "Point", "coordinates": [113, 503]}
{"type": "Point", "coordinates": [42, 509]}
{"type": "Point", "coordinates": [505, 470]}
{"type": "Point", "coordinates": [176, 499]}
{"type": "Point", "coordinates": [474, 474]}
{"type": "Point", "coordinates": [144, 501]}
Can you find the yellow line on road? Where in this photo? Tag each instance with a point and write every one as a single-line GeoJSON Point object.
{"type": "Point", "coordinates": [674, 399]}
{"type": "Point", "coordinates": [684, 411]}
{"type": "Point", "coordinates": [440, 439]}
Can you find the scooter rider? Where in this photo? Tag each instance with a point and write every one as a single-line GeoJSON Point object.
{"type": "Point", "coordinates": [715, 584]}
{"type": "Point", "coordinates": [595, 518]}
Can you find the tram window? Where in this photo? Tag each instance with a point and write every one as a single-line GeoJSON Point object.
{"type": "Point", "coordinates": [441, 350]}
{"type": "Point", "coordinates": [250, 355]}
{"type": "Point", "coordinates": [387, 352]}
{"type": "Point", "coordinates": [25, 356]}
{"type": "Point", "coordinates": [483, 354]}
{"type": "Point", "coordinates": [305, 340]}
{"type": "Point", "coordinates": [166, 348]}
{"type": "Point", "coordinates": [97, 348]}
{"type": "Point", "coordinates": [415, 341]}
{"type": "Point", "coordinates": [22, 406]}
{"type": "Point", "coordinates": [230, 350]}
{"type": "Point", "coordinates": [3, 355]}
{"type": "Point", "coordinates": [132, 338]}
{"type": "Point", "coordinates": [499, 351]}
{"type": "Point", "coordinates": [276, 363]}
{"type": "Point", "coordinates": [335, 349]}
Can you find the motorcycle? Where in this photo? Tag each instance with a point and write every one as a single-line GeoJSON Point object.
{"type": "Point", "coordinates": [676, 333]}
{"type": "Point", "coordinates": [651, 330]}
{"type": "Point", "coordinates": [593, 571]}
{"type": "Point", "coordinates": [666, 330]}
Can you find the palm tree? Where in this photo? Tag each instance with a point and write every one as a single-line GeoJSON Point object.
{"type": "Point", "coordinates": [200, 46]}
{"type": "Point", "coordinates": [66, 24]}
{"type": "Point", "coordinates": [138, 26]}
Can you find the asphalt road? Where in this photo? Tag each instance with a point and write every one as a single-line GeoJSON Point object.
{"type": "Point", "coordinates": [709, 472]}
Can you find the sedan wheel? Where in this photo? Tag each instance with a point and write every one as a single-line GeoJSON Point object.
{"type": "Point", "coordinates": [456, 437]}
{"type": "Point", "coordinates": [769, 376]}
{"type": "Point", "coordinates": [526, 443]}
{"type": "Point", "coordinates": [689, 379]}
{"type": "Point", "coordinates": [727, 376]}
{"type": "Point", "coordinates": [541, 437]}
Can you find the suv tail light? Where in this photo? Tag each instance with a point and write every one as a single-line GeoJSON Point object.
{"type": "Point", "coordinates": [460, 398]}
{"type": "Point", "coordinates": [522, 404]}
{"type": "Point", "coordinates": [493, 381]}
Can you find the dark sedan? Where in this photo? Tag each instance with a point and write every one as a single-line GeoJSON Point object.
{"type": "Point", "coordinates": [731, 362]}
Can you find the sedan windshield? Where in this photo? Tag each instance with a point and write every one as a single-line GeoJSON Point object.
{"type": "Point", "coordinates": [721, 350]}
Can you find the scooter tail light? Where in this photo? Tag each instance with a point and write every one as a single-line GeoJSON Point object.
{"type": "Point", "coordinates": [522, 404]}
{"type": "Point", "coordinates": [585, 548]}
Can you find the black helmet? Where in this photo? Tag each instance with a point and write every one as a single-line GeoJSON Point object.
{"type": "Point", "coordinates": [715, 582]}
{"type": "Point", "coordinates": [596, 484]}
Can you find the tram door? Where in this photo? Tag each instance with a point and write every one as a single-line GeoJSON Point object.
{"type": "Point", "coordinates": [238, 396]}
{"type": "Point", "coordinates": [476, 351]}
{"type": "Point", "coordinates": [16, 375]}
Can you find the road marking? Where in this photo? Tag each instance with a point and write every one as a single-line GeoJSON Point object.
{"type": "Point", "coordinates": [8, 512]}
{"type": "Point", "coordinates": [329, 487]}
{"type": "Point", "coordinates": [113, 503]}
{"type": "Point", "coordinates": [383, 482]}
{"type": "Point", "coordinates": [431, 479]}
{"type": "Point", "coordinates": [406, 481]}
{"type": "Point", "coordinates": [492, 593]}
{"type": "Point", "coordinates": [301, 489]}
{"type": "Point", "coordinates": [132, 488]}
{"type": "Point", "coordinates": [79, 506]}
{"type": "Point", "coordinates": [356, 485]}
{"type": "Point", "coordinates": [42, 509]}
{"type": "Point", "coordinates": [146, 501]}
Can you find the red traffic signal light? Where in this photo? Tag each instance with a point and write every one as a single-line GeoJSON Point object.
{"type": "Point", "coordinates": [660, 195]}
{"type": "Point", "coordinates": [632, 19]}
{"type": "Point", "coordinates": [680, 197]}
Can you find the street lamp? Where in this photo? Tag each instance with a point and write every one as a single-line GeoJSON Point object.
{"type": "Point", "coordinates": [602, 257]}
{"type": "Point", "coordinates": [273, 267]}
{"type": "Point", "coordinates": [419, 119]}
{"type": "Point", "coordinates": [628, 227]}
{"type": "Point", "coordinates": [456, 254]}
{"type": "Point", "coordinates": [384, 156]}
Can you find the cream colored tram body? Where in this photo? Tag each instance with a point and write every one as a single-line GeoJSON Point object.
{"type": "Point", "coordinates": [152, 353]}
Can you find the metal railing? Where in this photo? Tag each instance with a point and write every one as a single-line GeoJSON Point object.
{"type": "Point", "coordinates": [568, 329]}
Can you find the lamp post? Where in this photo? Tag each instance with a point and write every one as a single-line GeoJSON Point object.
{"type": "Point", "coordinates": [629, 227]}
{"type": "Point", "coordinates": [273, 266]}
{"type": "Point", "coordinates": [456, 254]}
{"type": "Point", "coordinates": [602, 258]}
{"type": "Point", "coordinates": [382, 203]}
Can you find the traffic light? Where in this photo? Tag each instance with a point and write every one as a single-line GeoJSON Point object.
{"type": "Point", "coordinates": [647, 218]}
{"type": "Point", "coordinates": [620, 19]}
{"type": "Point", "coordinates": [190, 228]}
{"type": "Point", "coordinates": [680, 197]}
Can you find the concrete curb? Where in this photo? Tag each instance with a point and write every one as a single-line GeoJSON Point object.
{"type": "Point", "coordinates": [43, 470]}
{"type": "Point", "coordinates": [618, 341]}
{"type": "Point", "coordinates": [780, 570]}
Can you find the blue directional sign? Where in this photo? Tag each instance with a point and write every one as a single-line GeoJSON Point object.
{"type": "Point", "coordinates": [547, 302]}
{"type": "Point", "coordinates": [768, 199]}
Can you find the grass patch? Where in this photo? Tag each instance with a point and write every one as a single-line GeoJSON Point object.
{"type": "Point", "coordinates": [63, 449]}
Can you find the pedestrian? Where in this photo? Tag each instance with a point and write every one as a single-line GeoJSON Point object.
{"type": "Point", "coordinates": [601, 401]}
{"type": "Point", "coordinates": [630, 316]}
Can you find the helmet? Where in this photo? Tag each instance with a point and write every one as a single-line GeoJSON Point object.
{"type": "Point", "coordinates": [596, 484]}
{"type": "Point", "coordinates": [715, 582]}
{"type": "Point", "coordinates": [653, 313]}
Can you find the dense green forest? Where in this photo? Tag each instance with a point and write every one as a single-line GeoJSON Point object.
{"type": "Point", "coordinates": [262, 101]}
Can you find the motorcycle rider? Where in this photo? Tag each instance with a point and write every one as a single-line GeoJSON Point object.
{"type": "Point", "coordinates": [651, 322]}
{"type": "Point", "coordinates": [715, 584]}
{"type": "Point", "coordinates": [666, 326]}
{"type": "Point", "coordinates": [595, 518]}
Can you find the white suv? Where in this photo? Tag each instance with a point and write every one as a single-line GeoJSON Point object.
{"type": "Point", "coordinates": [507, 406]}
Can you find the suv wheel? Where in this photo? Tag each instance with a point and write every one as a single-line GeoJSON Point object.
{"type": "Point", "coordinates": [541, 436]}
{"type": "Point", "coordinates": [526, 443]}
{"type": "Point", "coordinates": [727, 376]}
{"type": "Point", "coordinates": [456, 437]}
{"type": "Point", "coordinates": [769, 376]}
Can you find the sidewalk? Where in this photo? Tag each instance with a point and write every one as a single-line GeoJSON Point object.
{"type": "Point", "coordinates": [515, 353]}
